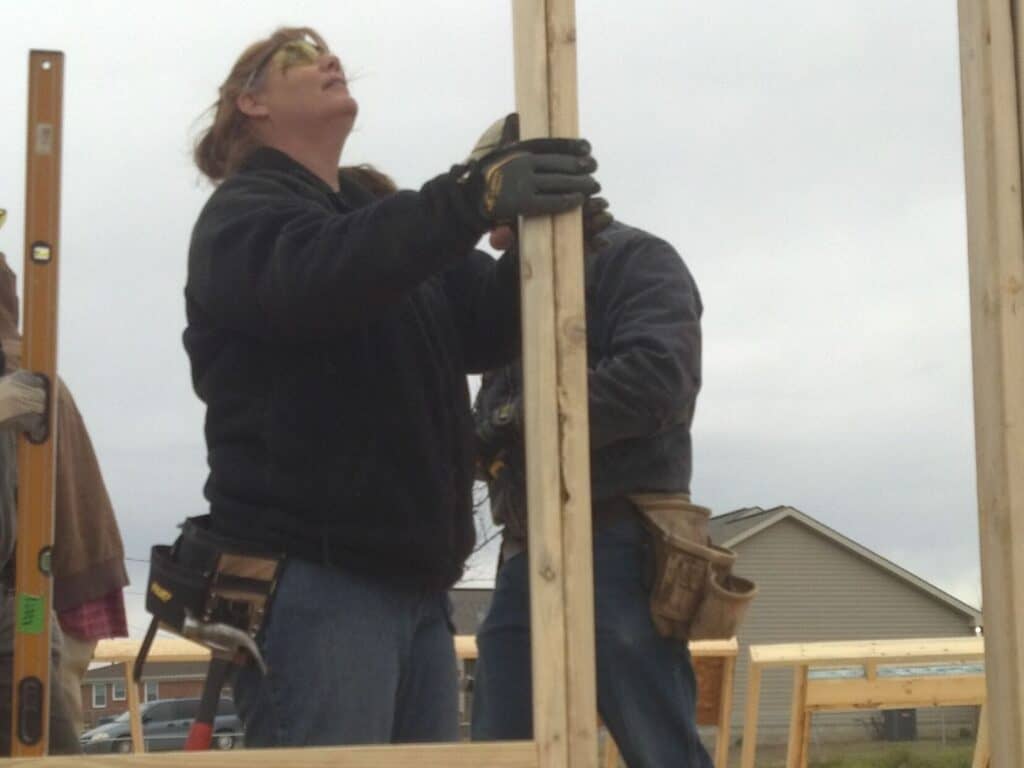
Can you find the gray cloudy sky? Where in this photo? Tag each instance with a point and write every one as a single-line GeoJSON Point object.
{"type": "Point", "coordinates": [804, 157]}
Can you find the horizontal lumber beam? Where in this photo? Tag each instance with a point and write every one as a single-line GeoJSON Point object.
{"type": "Point", "coordinates": [510, 754]}
{"type": "Point", "coordinates": [896, 693]}
{"type": "Point", "coordinates": [837, 654]}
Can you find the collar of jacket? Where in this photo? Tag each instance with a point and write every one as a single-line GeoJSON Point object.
{"type": "Point", "coordinates": [351, 193]}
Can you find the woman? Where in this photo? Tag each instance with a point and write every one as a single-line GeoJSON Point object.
{"type": "Point", "coordinates": [329, 334]}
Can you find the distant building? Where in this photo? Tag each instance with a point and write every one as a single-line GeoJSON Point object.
{"type": "Point", "coordinates": [104, 694]}
{"type": "Point", "coordinates": [817, 585]}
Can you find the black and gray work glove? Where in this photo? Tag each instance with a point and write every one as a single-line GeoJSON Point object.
{"type": "Point", "coordinates": [503, 133]}
{"type": "Point", "coordinates": [22, 401]}
{"type": "Point", "coordinates": [596, 219]}
{"type": "Point", "coordinates": [499, 438]}
{"type": "Point", "coordinates": [530, 178]}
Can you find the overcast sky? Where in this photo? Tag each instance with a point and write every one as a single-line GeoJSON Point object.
{"type": "Point", "coordinates": [804, 157]}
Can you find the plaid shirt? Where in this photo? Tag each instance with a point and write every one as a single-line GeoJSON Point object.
{"type": "Point", "coordinates": [97, 619]}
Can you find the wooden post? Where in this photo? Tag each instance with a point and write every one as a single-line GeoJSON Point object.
{"type": "Point", "coordinates": [725, 713]}
{"type": "Point", "coordinates": [753, 711]}
{"type": "Point", "coordinates": [611, 752]}
{"type": "Point", "coordinates": [995, 236]}
{"type": "Point", "coordinates": [799, 721]}
{"type": "Point", "coordinates": [982, 750]}
{"type": "Point", "coordinates": [37, 460]}
{"type": "Point", "coordinates": [555, 399]}
{"type": "Point", "coordinates": [134, 710]}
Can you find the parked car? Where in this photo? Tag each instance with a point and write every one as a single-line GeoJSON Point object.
{"type": "Point", "coordinates": [165, 725]}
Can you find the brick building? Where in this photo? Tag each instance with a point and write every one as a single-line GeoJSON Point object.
{"type": "Point", "coordinates": [104, 695]}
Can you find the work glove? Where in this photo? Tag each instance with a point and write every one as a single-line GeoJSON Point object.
{"type": "Point", "coordinates": [499, 438]}
{"type": "Point", "coordinates": [503, 134]}
{"type": "Point", "coordinates": [22, 402]}
{"type": "Point", "coordinates": [596, 218]}
{"type": "Point", "coordinates": [538, 177]}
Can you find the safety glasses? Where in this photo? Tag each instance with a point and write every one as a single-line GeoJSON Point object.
{"type": "Point", "coordinates": [300, 51]}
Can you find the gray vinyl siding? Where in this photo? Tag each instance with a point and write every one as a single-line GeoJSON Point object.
{"type": "Point", "coordinates": [813, 589]}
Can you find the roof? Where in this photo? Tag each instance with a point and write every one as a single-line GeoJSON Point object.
{"type": "Point", "coordinates": [728, 527]}
{"type": "Point", "coordinates": [154, 670]}
{"type": "Point", "coordinates": [735, 527]}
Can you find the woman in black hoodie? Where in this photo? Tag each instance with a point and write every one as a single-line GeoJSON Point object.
{"type": "Point", "coordinates": [329, 334]}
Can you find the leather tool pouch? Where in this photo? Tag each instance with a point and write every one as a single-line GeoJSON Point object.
{"type": "Point", "coordinates": [694, 595]}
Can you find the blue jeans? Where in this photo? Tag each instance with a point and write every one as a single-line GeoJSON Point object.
{"type": "Point", "coordinates": [352, 661]}
{"type": "Point", "coordinates": [646, 689]}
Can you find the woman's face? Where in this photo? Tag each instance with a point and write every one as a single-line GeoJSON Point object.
{"type": "Point", "coordinates": [300, 87]}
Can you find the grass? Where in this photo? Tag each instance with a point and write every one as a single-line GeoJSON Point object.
{"type": "Point", "coordinates": [901, 757]}
{"type": "Point", "coordinates": [920, 754]}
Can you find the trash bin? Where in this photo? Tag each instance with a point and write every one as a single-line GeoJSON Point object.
{"type": "Point", "coordinates": [900, 724]}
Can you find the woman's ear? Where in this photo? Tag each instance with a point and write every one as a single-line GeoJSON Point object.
{"type": "Point", "coordinates": [250, 105]}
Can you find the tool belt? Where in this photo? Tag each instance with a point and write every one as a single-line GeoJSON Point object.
{"type": "Point", "coordinates": [694, 595]}
{"type": "Point", "coordinates": [210, 589]}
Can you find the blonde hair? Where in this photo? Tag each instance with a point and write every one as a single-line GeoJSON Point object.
{"type": "Point", "coordinates": [229, 139]}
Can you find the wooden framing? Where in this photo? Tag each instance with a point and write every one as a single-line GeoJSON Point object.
{"type": "Point", "coordinates": [555, 400]}
{"type": "Point", "coordinates": [30, 722]}
{"type": "Point", "coordinates": [714, 665]}
{"type": "Point", "coordinates": [871, 691]}
{"type": "Point", "coordinates": [992, 79]}
{"type": "Point", "coordinates": [556, 431]}
{"type": "Point", "coordinates": [510, 754]}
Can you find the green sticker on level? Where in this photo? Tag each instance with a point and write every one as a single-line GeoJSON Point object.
{"type": "Point", "coordinates": [31, 612]}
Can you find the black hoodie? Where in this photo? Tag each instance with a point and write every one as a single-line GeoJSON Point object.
{"type": "Point", "coordinates": [329, 336]}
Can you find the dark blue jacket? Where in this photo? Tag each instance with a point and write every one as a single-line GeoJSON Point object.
{"type": "Point", "coordinates": [330, 336]}
{"type": "Point", "coordinates": [644, 359]}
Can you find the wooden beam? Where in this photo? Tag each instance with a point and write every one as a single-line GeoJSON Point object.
{"type": "Point", "coordinates": [753, 712]}
{"type": "Point", "coordinates": [555, 399]}
{"type": "Point", "coordinates": [724, 735]}
{"type": "Point", "coordinates": [511, 754]}
{"type": "Point", "coordinates": [123, 650]}
{"type": "Point", "coordinates": [995, 239]}
{"type": "Point", "coordinates": [982, 748]}
{"type": "Point", "coordinates": [799, 721]}
{"type": "Point", "coordinates": [840, 654]}
{"type": "Point", "coordinates": [465, 648]}
{"type": "Point", "coordinates": [134, 711]}
{"type": "Point", "coordinates": [714, 648]}
{"type": "Point", "coordinates": [896, 692]}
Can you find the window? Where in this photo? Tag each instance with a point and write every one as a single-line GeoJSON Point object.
{"type": "Point", "coordinates": [117, 692]}
{"type": "Point", "coordinates": [160, 712]}
{"type": "Point", "coordinates": [99, 695]}
{"type": "Point", "coordinates": [152, 690]}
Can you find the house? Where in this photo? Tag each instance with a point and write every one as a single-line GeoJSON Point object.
{"type": "Point", "coordinates": [104, 694]}
{"type": "Point", "coordinates": [815, 585]}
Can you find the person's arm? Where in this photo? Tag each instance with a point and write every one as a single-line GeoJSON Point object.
{"type": "Point", "coordinates": [651, 373]}
{"type": "Point", "coordinates": [483, 294]}
{"type": "Point", "coordinates": [270, 265]}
